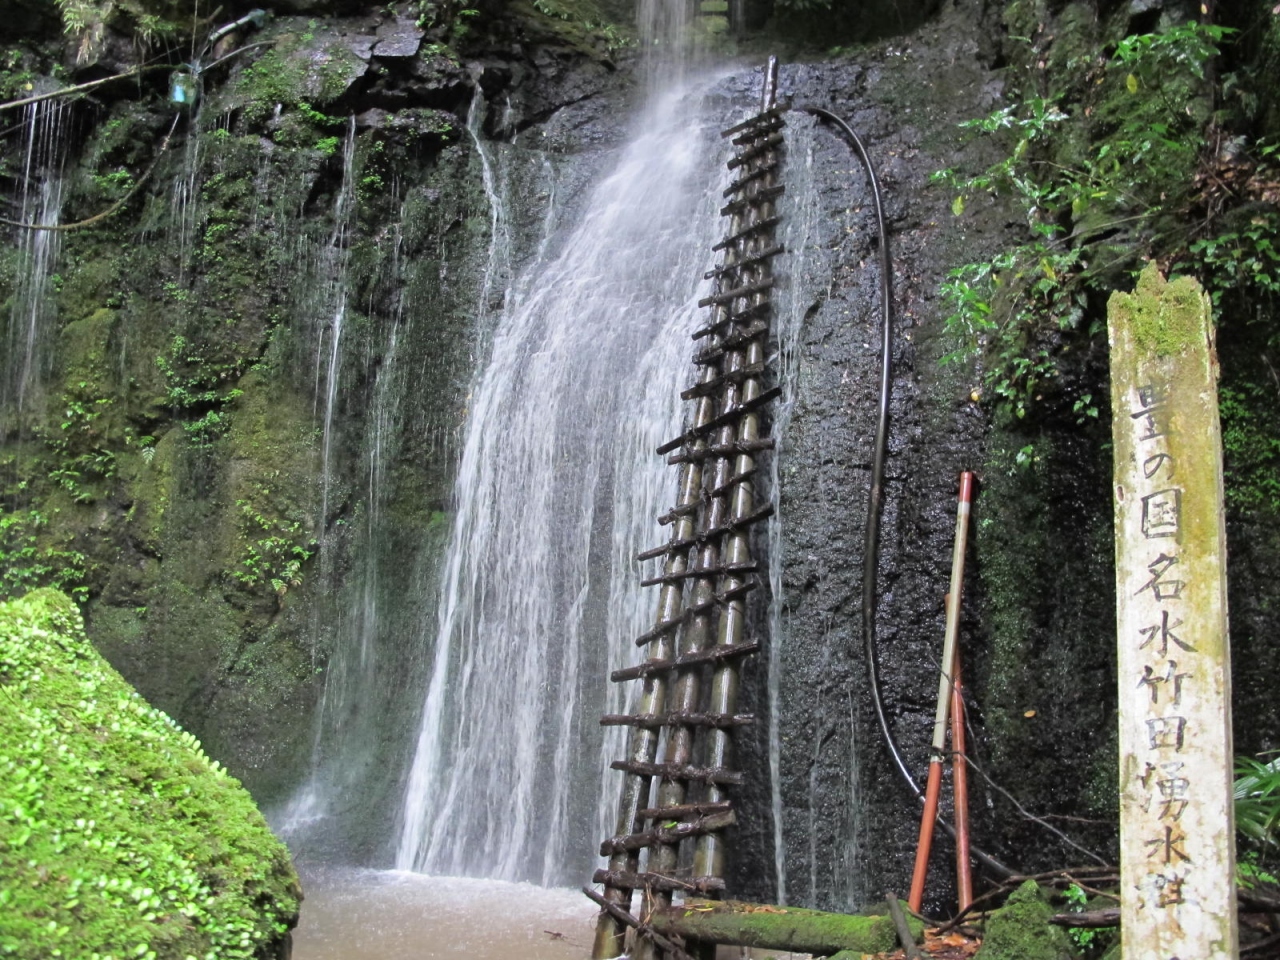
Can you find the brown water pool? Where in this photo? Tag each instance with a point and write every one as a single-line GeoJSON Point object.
{"type": "Point", "coordinates": [392, 915]}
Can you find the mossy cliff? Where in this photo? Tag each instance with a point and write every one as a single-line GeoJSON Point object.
{"type": "Point", "coordinates": [234, 440]}
{"type": "Point", "coordinates": [119, 837]}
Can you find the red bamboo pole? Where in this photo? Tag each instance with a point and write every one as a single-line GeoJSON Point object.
{"type": "Point", "coordinates": [916, 897]}
{"type": "Point", "coordinates": [960, 787]}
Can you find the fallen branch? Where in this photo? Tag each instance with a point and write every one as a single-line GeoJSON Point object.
{"type": "Point", "coordinates": [618, 913]}
{"type": "Point", "coordinates": [164, 145]}
{"type": "Point", "coordinates": [1089, 919]}
{"type": "Point", "coordinates": [905, 936]}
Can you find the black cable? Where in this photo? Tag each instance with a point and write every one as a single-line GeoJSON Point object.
{"type": "Point", "coordinates": [875, 497]}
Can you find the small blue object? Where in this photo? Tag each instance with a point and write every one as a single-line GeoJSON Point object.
{"type": "Point", "coordinates": [183, 89]}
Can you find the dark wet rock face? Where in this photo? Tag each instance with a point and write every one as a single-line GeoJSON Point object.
{"type": "Point", "coordinates": [849, 824]}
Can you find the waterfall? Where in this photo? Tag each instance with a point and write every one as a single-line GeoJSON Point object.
{"type": "Point", "coordinates": [335, 258]}
{"type": "Point", "coordinates": [799, 208]}
{"type": "Point", "coordinates": [39, 200]}
{"type": "Point", "coordinates": [557, 490]}
{"type": "Point", "coordinates": [325, 303]}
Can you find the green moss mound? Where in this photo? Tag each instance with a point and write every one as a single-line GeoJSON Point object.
{"type": "Point", "coordinates": [119, 838]}
{"type": "Point", "coordinates": [1020, 930]}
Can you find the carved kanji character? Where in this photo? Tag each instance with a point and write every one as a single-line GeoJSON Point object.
{"type": "Point", "coordinates": [1151, 401]}
{"type": "Point", "coordinates": [1168, 848]}
{"type": "Point", "coordinates": [1165, 732]}
{"type": "Point", "coordinates": [1158, 585]}
{"type": "Point", "coordinates": [1160, 513]}
{"type": "Point", "coordinates": [1171, 677]}
{"type": "Point", "coordinates": [1163, 631]}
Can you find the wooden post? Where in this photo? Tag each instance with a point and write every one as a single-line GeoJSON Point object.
{"type": "Point", "coordinates": [1177, 831]}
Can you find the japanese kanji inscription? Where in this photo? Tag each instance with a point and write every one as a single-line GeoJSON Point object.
{"type": "Point", "coordinates": [1176, 828]}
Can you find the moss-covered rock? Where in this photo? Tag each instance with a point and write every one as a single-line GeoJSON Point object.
{"type": "Point", "coordinates": [1020, 930]}
{"type": "Point", "coordinates": [118, 836]}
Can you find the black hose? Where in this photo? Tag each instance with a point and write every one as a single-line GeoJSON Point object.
{"type": "Point", "coordinates": [875, 498]}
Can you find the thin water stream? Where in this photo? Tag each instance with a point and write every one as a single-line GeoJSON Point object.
{"type": "Point", "coordinates": [38, 201]}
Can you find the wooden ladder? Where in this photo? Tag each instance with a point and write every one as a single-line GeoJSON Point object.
{"type": "Point", "coordinates": [687, 707]}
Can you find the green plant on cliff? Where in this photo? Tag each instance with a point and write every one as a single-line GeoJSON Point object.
{"type": "Point", "coordinates": [1092, 207]}
{"type": "Point", "coordinates": [118, 836]}
{"type": "Point", "coordinates": [86, 21]}
{"type": "Point", "coordinates": [30, 559]}
{"type": "Point", "coordinates": [275, 546]}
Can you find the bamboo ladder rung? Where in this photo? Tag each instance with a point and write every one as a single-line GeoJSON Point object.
{"type": "Point", "coordinates": [656, 881]}
{"type": "Point", "coordinates": [744, 203]}
{"type": "Point", "coordinates": [675, 513]}
{"type": "Point", "coordinates": [758, 174]}
{"type": "Point", "coordinates": [758, 150]}
{"type": "Point", "coordinates": [729, 296]}
{"type": "Point", "coordinates": [762, 127]}
{"type": "Point", "coordinates": [760, 226]}
{"type": "Point", "coordinates": [679, 771]}
{"type": "Point", "coordinates": [683, 810]}
{"type": "Point", "coordinates": [727, 417]}
{"type": "Point", "coordinates": [722, 450]}
{"type": "Point", "coordinates": [713, 654]}
{"type": "Point", "coordinates": [674, 546]}
{"type": "Point", "coordinates": [674, 834]}
{"type": "Point", "coordinates": [693, 610]}
{"type": "Point", "coordinates": [701, 573]}
{"type": "Point", "coordinates": [732, 482]}
{"type": "Point", "coordinates": [717, 327]}
{"type": "Point", "coordinates": [764, 116]}
{"type": "Point", "coordinates": [683, 719]}
{"type": "Point", "coordinates": [754, 260]}
{"type": "Point", "coordinates": [708, 387]}
{"type": "Point", "coordinates": [715, 353]}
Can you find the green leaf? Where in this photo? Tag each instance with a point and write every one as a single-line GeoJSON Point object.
{"type": "Point", "coordinates": [957, 205]}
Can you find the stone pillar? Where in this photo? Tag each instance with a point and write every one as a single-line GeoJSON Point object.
{"type": "Point", "coordinates": [1177, 829]}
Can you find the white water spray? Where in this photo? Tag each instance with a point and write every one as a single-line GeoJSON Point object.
{"type": "Point", "coordinates": [557, 490]}
{"type": "Point", "coordinates": [39, 201]}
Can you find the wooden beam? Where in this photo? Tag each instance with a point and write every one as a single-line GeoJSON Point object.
{"type": "Point", "coordinates": [778, 928]}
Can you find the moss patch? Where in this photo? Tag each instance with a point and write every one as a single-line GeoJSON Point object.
{"type": "Point", "coordinates": [1165, 316]}
{"type": "Point", "coordinates": [1020, 930]}
{"type": "Point", "coordinates": [781, 928]}
{"type": "Point", "coordinates": [118, 836]}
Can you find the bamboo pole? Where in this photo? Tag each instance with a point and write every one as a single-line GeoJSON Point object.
{"type": "Point", "coordinates": [610, 931]}
{"type": "Point", "coordinates": [916, 897]}
{"type": "Point", "coordinates": [709, 854]}
{"type": "Point", "coordinates": [960, 788]}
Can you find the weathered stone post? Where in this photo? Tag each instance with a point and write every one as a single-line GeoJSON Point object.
{"type": "Point", "coordinates": [1177, 830]}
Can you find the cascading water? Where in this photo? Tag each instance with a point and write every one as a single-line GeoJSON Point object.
{"type": "Point", "coordinates": [326, 301]}
{"type": "Point", "coordinates": [39, 201]}
{"type": "Point", "coordinates": [799, 207]}
{"type": "Point", "coordinates": [556, 493]}
{"type": "Point", "coordinates": [334, 265]}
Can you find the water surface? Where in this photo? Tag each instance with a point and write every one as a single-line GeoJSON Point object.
{"type": "Point", "coordinates": [353, 914]}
